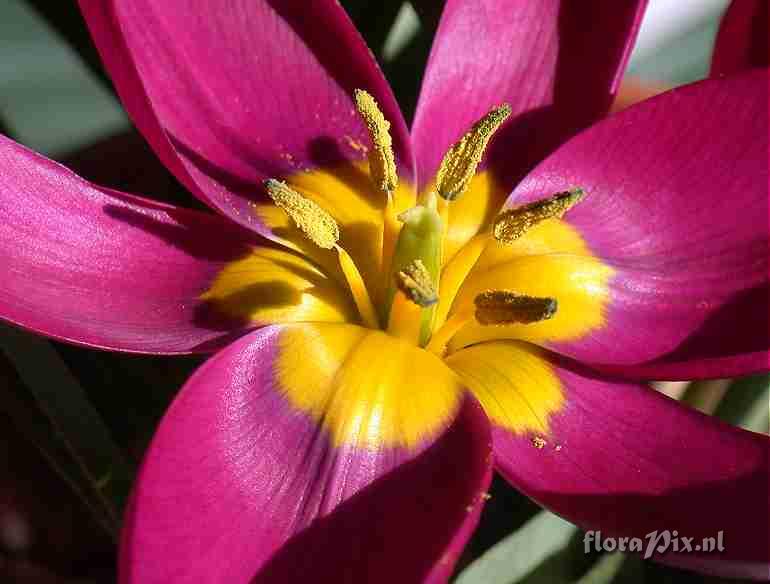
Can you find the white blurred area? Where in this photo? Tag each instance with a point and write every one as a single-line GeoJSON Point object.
{"type": "Point", "coordinates": [48, 99]}
{"type": "Point", "coordinates": [676, 39]}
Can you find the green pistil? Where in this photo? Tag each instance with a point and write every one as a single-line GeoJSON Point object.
{"type": "Point", "coordinates": [420, 240]}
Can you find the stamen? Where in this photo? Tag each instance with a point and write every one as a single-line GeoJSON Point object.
{"type": "Point", "coordinates": [493, 307]}
{"type": "Point", "coordinates": [499, 307]}
{"type": "Point", "coordinates": [415, 281]}
{"type": "Point", "coordinates": [390, 228]}
{"type": "Point", "coordinates": [321, 228]}
{"type": "Point", "coordinates": [441, 337]}
{"type": "Point", "coordinates": [460, 162]}
{"type": "Point", "coordinates": [382, 169]}
{"type": "Point", "coordinates": [317, 225]}
{"type": "Point", "coordinates": [510, 225]}
{"type": "Point", "coordinates": [382, 162]}
{"type": "Point", "coordinates": [358, 289]}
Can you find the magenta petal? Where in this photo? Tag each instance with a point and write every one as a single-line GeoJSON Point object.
{"type": "Point", "coordinates": [557, 64]}
{"type": "Point", "coordinates": [677, 205]}
{"type": "Point", "coordinates": [229, 93]}
{"type": "Point", "coordinates": [742, 41]}
{"type": "Point", "coordinates": [627, 461]}
{"type": "Point", "coordinates": [238, 486]}
{"type": "Point", "coordinates": [106, 269]}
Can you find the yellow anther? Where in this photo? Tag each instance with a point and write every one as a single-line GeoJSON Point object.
{"type": "Point", "coordinates": [510, 225]}
{"type": "Point", "coordinates": [317, 225]}
{"type": "Point", "coordinates": [460, 162]}
{"type": "Point", "coordinates": [498, 307]}
{"type": "Point", "coordinates": [382, 162]}
{"type": "Point", "coordinates": [415, 281]}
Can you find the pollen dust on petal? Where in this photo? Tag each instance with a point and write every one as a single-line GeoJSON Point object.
{"type": "Point", "coordinates": [356, 145]}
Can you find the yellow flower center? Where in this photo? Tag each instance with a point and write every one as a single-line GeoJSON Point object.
{"type": "Point", "coordinates": [404, 300]}
{"type": "Point", "coordinates": [413, 250]}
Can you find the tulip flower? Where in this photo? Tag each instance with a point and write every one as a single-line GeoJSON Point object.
{"type": "Point", "coordinates": [395, 313]}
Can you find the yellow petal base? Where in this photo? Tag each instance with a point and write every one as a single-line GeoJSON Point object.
{"type": "Point", "coordinates": [370, 389]}
{"type": "Point", "coordinates": [276, 286]}
{"type": "Point", "coordinates": [551, 260]}
{"type": "Point", "coordinates": [364, 387]}
{"type": "Point", "coordinates": [514, 383]}
{"type": "Point", "coordinates": [348, 194]}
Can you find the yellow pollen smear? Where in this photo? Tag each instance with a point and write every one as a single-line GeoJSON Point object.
{"type": "Point", "coordinates": [415, 281]}
{"type": "Point", "coordinates": [511, 224]}
{"type": "Point", "coordinates": [382, 163]}
{"type": "Point", "coordinates": [317, 225]}
{"type": "Point", "coordinates": [498, 307]}
{"type": "Point", "coordinates": [461, 161]}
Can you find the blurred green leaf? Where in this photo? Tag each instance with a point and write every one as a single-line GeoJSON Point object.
{"type": "Point", "coordinates": [141, 388]}
{"type": "Point", "coordinates": [399, 40]}
{"type": "Point", "coordinates": [505, 511]}
{"type": "Point", "coordinates": [66, 19]}
{"type": "Point", "coordinates": [373, 20]}
{"type": "Point", "coordinates": [73, 418]}
{"type": "Point", "coordinates": [429, 11]}
{"type": "Point", "coordinates": [704, 395]}
{"type": "Point", "coordinates": [23, 413]}
{"type": "Point", "coordinates": [50, 100]}
{"type": "Point", "coordinates": [533, 554]}
{"type": "Point", "coordinates": [615, 568]}
{"type": "Point", "coordinates": [4, 130]}
{"type": "Point", "coordinates": [405, 69]}
{"type": "Point", "coordinates": [405, 27]}
{"type": "Point", "coordinates": [747, 403]}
